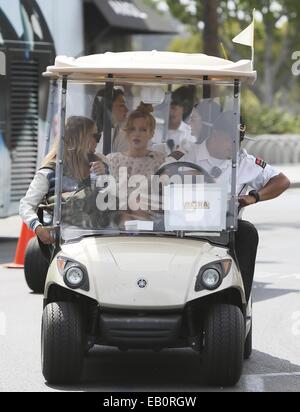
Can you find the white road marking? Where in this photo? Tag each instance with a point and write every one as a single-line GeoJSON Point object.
{"type": "Point", "coordinates": [2, 324]}
{"type": "Point", "coordinates": [273, 375]}
{"type": "Point", "coordinates": [276, 276]}
{"type": "Point", "coordinates": [296, 325]}
{"type": "Point", "coordinates": [293, 275]}
{"type": "Point", "coordinates": [255, 383]}
{"type": "Point", "coordinates": [265, 275]}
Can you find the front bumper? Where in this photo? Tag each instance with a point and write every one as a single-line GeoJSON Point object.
{"type": "Point", "coordinates": [130, 331]}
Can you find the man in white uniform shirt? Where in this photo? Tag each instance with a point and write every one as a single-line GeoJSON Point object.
{"type": "Point", "coordinates": [119, 141]}
{"type": "Point", "coordinates": [252, 172]}
{"type": "Point", "coordinates": [266, 183]}
{"type": "Point", "coordinates": [179, 134]}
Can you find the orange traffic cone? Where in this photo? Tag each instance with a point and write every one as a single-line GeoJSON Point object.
{"type": "Point", "coordinates": [26, 235]}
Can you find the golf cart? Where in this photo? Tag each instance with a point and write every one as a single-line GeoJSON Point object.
{"type": "Point", "coordinates": [164, 278]}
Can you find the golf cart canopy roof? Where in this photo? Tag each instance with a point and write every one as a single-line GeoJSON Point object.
{"type": "Point", "coordinates": [151, 65]}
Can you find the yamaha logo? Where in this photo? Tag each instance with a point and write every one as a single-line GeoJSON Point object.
{"type": "Point", "coordinates": [142, 283]}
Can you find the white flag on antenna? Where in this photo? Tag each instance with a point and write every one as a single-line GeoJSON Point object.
{"type": "Point", "coordinates": [246, 37]}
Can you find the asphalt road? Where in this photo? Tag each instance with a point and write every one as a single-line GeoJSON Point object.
{"type": "Point", "coordinates": [274, 366]}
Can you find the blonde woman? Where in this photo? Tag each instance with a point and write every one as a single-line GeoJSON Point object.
{"type": "Point", "coordinates": [77, 149]}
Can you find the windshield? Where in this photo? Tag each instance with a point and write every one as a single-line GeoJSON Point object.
{"type": "Point", "coordinates": [146, 158]}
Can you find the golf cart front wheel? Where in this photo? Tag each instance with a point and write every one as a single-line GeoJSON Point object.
{"type": "Point", "coordinates": [224, 340]}
{"type": "Point", "coordinates": [62, 343]}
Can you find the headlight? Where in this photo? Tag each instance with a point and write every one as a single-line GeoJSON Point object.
{"type": "Point", "coordinates": [211, 276]}
{"type": "Point", "coordinates": [75, 274]}
{"type": "Point", "coordinates": [211, 279]}
{"type": "Point", "coordinates": [74, 277]}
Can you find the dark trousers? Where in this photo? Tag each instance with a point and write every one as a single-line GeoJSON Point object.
{"type": "Point", "coordinates": [246, 243]}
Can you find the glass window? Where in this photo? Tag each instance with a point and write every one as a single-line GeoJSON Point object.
{"type": "Point", "coordinates": [149, 158]}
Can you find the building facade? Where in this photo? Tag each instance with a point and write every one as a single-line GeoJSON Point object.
{"type": "Point", "coordinates": [32, 32]}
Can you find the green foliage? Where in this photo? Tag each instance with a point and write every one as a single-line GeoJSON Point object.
{"type": "Point", "coordinates": [263, 120]}
{"type": "Point", "coordinates": [273, 102]}
{"type": "Point", "coordinates": [185, 14]}
{"type": "Point", "coordinates": [277, 35]}
{"type": "Point", "coordinates": [190, 44]}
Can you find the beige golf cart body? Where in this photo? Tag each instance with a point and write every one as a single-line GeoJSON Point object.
{"type": "Point", "coordinates": [137, 278]}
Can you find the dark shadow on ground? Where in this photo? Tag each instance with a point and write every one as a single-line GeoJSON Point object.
{"type": "Point", "coordinates": [262, 291]}
{"type": "Point", "coordinates": [109, 370]}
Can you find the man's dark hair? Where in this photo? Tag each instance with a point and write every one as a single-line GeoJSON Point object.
{"type": "Point", "coordinates": [98, 106]}
{"type": "Point", "coordinates": [185, 96]}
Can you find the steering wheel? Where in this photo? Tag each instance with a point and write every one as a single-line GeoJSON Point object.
{"type": "Point", "coordinates": [173, 169]}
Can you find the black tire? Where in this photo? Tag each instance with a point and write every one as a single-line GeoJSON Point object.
{"type": "Point", "coordinates": [248, 345]}
{"type": "Point", "coordinates": [224, 340]}
{"type": "Point", "coordinates": [62, 343]}
{"type": "Point", "coordinates": [35, 267]}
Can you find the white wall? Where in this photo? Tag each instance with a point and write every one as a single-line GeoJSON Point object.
{"type": "Point", "coordinates": [64, 19]}
{"type": "Point", "coordinates": [11, 10]}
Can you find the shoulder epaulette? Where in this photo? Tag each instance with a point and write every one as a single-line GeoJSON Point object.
{"type": "Point", "coordinates": [177, 155]}
{"type": "Point", "coordinates": [260, 163]}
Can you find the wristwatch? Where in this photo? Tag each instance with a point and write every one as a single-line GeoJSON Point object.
{"type": "Point", "coordinates": [254, 193]}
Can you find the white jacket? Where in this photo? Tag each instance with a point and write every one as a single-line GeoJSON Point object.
{"type": "Point", "coordinates": [38, 189]}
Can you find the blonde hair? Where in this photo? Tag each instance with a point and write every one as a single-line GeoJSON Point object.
{"type": "Point", "coordinates": [142, 112]}
{"type": "Point", "coordinates": [76, 147]}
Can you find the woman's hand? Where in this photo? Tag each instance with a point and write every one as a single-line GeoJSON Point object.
{"type": "Point", "coordinates": [45, 235]}
{"type": "Point", "coordinates": [98, 168]}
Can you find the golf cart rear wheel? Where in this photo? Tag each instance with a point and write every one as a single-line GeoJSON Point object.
{"type": "Point", "coordinates": [35, 267]}
{"type": "Point", "coordinates": [224, 340]}
{"type": "Point", "coordinates": [248, 345]}
{"type": "Point", "coordinates": [62, 343]}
